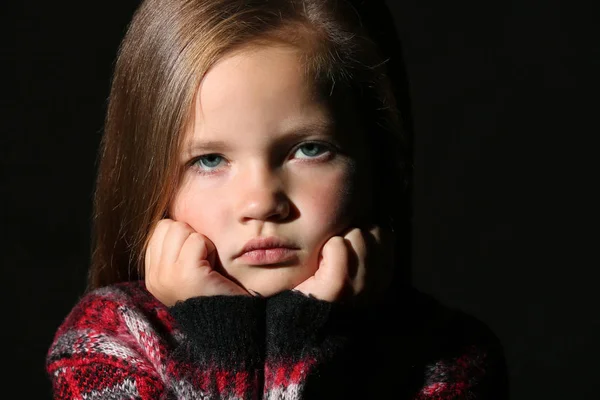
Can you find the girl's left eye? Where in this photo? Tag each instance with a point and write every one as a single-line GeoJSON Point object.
{"type": "Point", "coordinates": [311, 150]}
{"type": "Point", "coordinates": [208, 163]}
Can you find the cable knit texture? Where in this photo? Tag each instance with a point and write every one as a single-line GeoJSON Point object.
{"type": "Point", "coordinates": [119, 342]}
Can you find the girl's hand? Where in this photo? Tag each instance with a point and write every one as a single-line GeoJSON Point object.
{"type": "Point", "coordinates": [178, 265]}
{"type": "Point", "coordinates": [358, 266]}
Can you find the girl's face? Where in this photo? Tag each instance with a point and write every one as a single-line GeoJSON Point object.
{"type": "Point", "coordinates": [263, 159]}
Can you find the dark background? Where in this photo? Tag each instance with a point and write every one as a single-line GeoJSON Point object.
{"type": "Point", "coordinates": [505, 107]}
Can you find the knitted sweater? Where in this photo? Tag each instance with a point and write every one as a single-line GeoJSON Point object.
{"type": "Point", "coordinates": [119, 342]}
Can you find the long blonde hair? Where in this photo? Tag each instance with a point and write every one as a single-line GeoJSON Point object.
{"type": "Point", "coordinates": [166, 51]}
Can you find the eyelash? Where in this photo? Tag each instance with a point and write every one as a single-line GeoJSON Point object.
{"type": "Point", "coordinates": [327, 150]}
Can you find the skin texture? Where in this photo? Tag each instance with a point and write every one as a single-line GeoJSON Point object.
{"type": "Point", "coordinates": [251, 170]}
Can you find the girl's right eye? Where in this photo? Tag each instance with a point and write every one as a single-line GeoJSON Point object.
{"type": "Point", "coordinates": [207, 163]}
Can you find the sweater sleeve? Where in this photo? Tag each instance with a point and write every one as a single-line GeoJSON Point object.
{"type": "Point", "coordinates": [307, 344]}
{"type": "Point", "coordinates": [469, 364]}
{"type": "Point", "coordinates": [225, 338]}
{"type": "Point", "coordinates": [119, 344]}
{"type": "Point", "coordinates": [450, 354]}
{"type": "Point", "coordinates": [318, 350]}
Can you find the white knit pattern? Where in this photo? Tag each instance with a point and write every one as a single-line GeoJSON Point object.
{"type": "Point", "coordinates": [290, 392]}
{"type": "Point", "coordinates": [125, 388]}
{"type": "Point", "coordinates": [147, 338]}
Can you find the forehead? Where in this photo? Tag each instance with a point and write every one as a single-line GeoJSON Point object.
{"type": "Point", "coordinates": [256, 93]}
{"type": "Point", "coordinates": [259, 69]}
{"type": "Point", "coordinates": [255, 82]}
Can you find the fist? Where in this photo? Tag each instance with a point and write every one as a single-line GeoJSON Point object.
{"type": "Point", "coordinates": [355, 267]}
{"type": "Point", "coordinates": [179, 265]}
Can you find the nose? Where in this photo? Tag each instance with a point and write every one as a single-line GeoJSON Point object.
{"type": "Point", "coordinates": [262, 196]}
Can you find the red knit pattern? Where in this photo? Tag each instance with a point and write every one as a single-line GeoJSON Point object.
{"type": "Point", "coordinates": [116, 343]}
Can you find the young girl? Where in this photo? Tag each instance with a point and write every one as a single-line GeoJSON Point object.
{"type": "Point", "coordinates": [249, 217]}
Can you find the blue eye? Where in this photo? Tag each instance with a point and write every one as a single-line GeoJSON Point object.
{"type": "Point", "coordinates": [208, 162]}
{"type": "Point", "coordinates": [310, 150]}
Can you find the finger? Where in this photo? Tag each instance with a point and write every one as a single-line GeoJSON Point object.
{"type": "Point", "coordinates": [214, 284]}
{"type": "Point", "coordinates": [154, 246]}
{"type": "Point", "coordinates": [384, 237]}
{"type": "Point", "coordinates": [195, 250]}
{"type": "Point", "coordinates": [357, 250]}
{"type": "Point", "coordinates": [333, 269]}
{"type": "Point", "coordinates": [375, 232]}
{"type": "Point", "coordinates": [357, 254]}
{"type": "Point", "coordinates": [176, 235]}
{"type": "Point", "coordinates": [380, 260]}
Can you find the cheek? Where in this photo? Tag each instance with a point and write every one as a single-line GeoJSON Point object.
{"type": "Point", "coordinates": [326, 202]}
{"type": "Point", "coordinates": [197, 210]}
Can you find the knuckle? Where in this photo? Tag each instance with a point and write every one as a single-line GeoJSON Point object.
{"type": "Point", "coordinates": [162, 224]}
{"type": "Point", "coordinates": [198, 241]}
{"type": "Point", "coordinates": [353, 233]}
{"type": "Point", "coordinates": [337, 241]}
{"type": "Point", "coordinates": [376, 232]}
{"type": "Point", "coordinates": [182, 226]}
{"type": "Point", "coordinates": [196, 237]}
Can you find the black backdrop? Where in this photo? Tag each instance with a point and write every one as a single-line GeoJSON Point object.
{"type": "Point", "coordinates": [505, 104]}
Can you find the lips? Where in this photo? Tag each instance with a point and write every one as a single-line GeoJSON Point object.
{"type": "Point", "coordinates": [270, 250]}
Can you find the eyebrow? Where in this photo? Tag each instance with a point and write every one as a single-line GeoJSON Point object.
{"type": "Point", "coordinates": [295, 133]}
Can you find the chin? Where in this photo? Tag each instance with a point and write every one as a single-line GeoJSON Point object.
{"type": "Point", "coordinates": [268, 292]}
{"type": "Point", "coordinates": [272, 282]}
